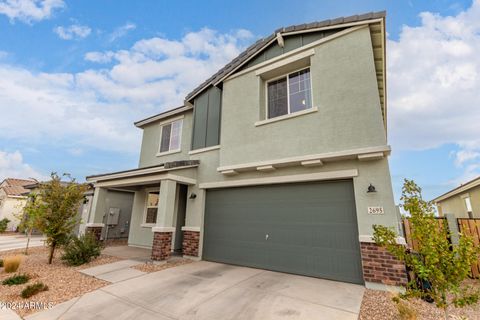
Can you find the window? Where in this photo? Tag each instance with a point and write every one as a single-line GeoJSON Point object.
{"type": "Point", "coordinates": [289, 94]}
{"type": "Point", "coordinates": [152, 207]}
{"type": "Point", "coordinates": [171, 136]}
{"type": "Point", "coordinates": [468, 204]}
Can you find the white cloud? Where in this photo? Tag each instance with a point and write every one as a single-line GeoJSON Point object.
{"type": "Point", "coordinates": [73, 31]}
{"type": "Point", "coordinates": [99, 57]}
{"type": "Point", "coordinates": [29, 10]}
{"type": "Point", "coordinates": [463, 156]}
{"type": "Point", "coordinates": [12, 166]}
{"type": "Point", "coordinates": [95, 108]}
{"type": "Point", "coordinates": [434, 85]}
{"type": "Point", "coordinates": [122, 31]}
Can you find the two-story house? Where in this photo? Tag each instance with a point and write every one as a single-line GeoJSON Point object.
{"type": "Point", "coordinates": [277, 161]}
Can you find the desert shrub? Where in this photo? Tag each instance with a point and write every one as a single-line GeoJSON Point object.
{"type": "Point", "coordinates": [405, 311]}
{"type": "Point", "coordinates": [11, 264]}
{"type": "Point", "coordinates": [16, 280]}
{"type": "Point", "coordinates": [33, 289]}
{"type": "Point", "coordinates": [1, 263]}
{"type": "Point", "coordinates": [3, 224]}
{"type": "Point", "coordinates": [80, 250]}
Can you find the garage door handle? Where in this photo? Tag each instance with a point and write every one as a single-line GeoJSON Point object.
{"type": "Point", "coordinates": [266, 237]}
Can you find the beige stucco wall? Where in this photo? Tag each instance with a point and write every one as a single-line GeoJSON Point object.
{"type": "Point", "coordinates": [11, 208]}
{"type": "Point", "coordinates": [456, 204]}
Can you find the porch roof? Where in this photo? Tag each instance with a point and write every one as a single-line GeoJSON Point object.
{"type": "Point", "coordinates": [161, 168]}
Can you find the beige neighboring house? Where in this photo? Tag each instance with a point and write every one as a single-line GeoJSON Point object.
{"type": "Point", "coordinates": [463, 201]}
{"type": "Point", "coordinates": [12, 200]}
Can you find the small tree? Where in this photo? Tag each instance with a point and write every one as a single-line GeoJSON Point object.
{"type": "Point", "coordinates": [437, 263]}
{"type": "Point", "coordinates": [29, 217]}
{"type": "Point", "coordinates": [58, 204]}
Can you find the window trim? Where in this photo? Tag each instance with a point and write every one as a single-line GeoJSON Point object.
{"type": "Point", "coordinates": [164, 123]}
{"type": "Point", "coordinates": [144, 223]}
{"type": "Point", "coordinates": [288, 93]}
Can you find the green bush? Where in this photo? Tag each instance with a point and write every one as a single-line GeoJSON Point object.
{"type": "Point", "coordinates": [3, 224]}
{"type": "Point", "coordinates": [1, 263]}
{"type": "Point", "coordinates": [33, 289]}
{"type": "Point", "coordinates": [16, 279]}
{"type": "Point", "coordinates": [80, 250]}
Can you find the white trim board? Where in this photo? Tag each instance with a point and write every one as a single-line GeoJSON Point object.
{"type": "Point", "coordinates": [145, 180]}
{"type": "Point", "coordinates": [323, 157]}
{"type": "Point", "coordinates": [329, 175]}
{"type": "Point", "coordinates": [187, 228]}
{"type": "Point", "coordinates": [230, 75]}
{"type": "Point", "coordinates": [369, 239]}
{"type": "Point", "coordinates": [167, 114]}
{"type": "Point", "coordinates": [138, 172]}
{"type": "Point", "coordinates": [204, 149]}
{"type": "Point", "coordinates": [94, 225]}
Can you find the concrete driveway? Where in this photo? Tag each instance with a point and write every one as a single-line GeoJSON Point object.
{"type": "Point", "coordinates": [206, 290]}
{"type": "Point", "coordinates": [18, 241]}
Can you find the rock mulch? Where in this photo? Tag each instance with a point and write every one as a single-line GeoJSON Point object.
{"type": "Point", "coordinates": [378, 305]}
{"type": "Point", "coordinates": [152, 267]}
{"type": "Point", "coordinates": [64, 282]}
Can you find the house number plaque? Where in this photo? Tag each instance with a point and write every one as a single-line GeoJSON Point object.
{"type": "Point", "coordinates": [375, 210]}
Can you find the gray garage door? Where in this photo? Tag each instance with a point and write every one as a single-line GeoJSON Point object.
{"type": "Point", "coordinates": [308, 229]}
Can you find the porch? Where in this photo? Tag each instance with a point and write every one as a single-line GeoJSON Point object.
{"type": "Point", "coordinates": [157, 217]}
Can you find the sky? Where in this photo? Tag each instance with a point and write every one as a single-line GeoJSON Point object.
{"type": "Point", "coordinates": [75, 75]}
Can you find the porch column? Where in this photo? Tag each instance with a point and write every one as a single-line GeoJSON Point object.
{"type": "Point", "coordinates": [164, 228]}
{"type": "Point", "coordinates": [97, 211]}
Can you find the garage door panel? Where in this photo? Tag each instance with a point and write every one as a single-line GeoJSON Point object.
{"type": "Point", "coordinates": [311, 228]}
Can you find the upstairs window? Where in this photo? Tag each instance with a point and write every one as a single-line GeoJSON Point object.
{"type": "Point", "coordinates": [290, 93]}
{"type": "Point", "coordinates": [171, 136]}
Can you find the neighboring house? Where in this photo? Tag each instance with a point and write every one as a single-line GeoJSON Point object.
{"type": "Point", "coordinates": [277, 161]}
{"type": "Point", "coordinates": [12, 200]}
{"type": "Point", "coordinates": [463, 201]}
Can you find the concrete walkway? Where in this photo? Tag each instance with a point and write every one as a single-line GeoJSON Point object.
{"type": "Point", "coordinates": [115, 272]}
{"type": "Point", "coordinates": [206, 290]}
{"type": "Point", "coordinates": [19, 241]}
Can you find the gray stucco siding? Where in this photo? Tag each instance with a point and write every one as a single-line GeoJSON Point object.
{"type": "Point", "coordinates": [344, 90]}
{"type": "Point", "coordinates": [151, 142]}
{"type": "Point", "coordinates": [376, 172]}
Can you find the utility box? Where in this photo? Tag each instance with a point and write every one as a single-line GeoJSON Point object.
{"type": "Point", "coordinates": [113, 214]}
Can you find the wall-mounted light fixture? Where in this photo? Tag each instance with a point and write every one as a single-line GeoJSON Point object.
{"type": "Point", "coordinates": [371, 188]}
{"type": "Point", "coordinates": [192, 196]}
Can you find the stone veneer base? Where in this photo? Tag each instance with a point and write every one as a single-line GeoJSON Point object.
{"type": "Point", "coordinates": [191, 240]}
{"type": "Point", "coordinates": [379, 266]}
{"type": "Point", "coordinates": [96, 231]}
{"type": "Point", "coordinates": [162, 245]}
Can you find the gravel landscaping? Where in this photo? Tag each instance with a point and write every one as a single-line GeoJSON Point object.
{"type": "Point", "coordinates": [153, 267]}
{"type": "Point", "coordinates": [64, 282]}
{"type": "Point", "coordinates": [378, 305]}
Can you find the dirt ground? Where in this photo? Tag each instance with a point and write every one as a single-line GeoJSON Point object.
{"type": "Point", "coordinates": [378, 305]}
{"type": "Point", "coordinates": [64, 282]}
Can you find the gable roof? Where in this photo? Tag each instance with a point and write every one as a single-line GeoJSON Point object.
{"type": "Point", "coordinates": [262, 43]}
{"type": "Point", "coordinates": [162, 115]}
{"type": "Point", "coordinates": [15, 187]}
{"type": "Point", "coordinates": [460, 189]}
